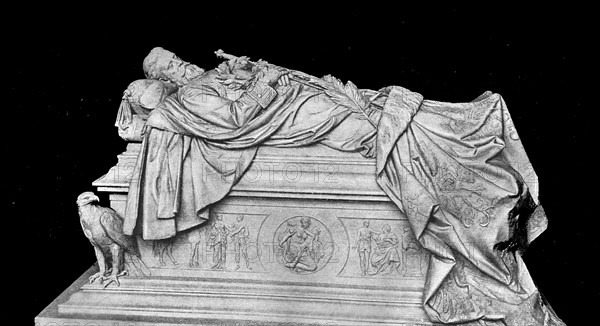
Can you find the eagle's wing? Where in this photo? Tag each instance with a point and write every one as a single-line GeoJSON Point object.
{"type": "Point", "coordinates": [87, 233]}
{"type": "Point", "coordinates": [113, 225]}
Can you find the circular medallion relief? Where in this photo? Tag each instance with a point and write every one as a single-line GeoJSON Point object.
{"type": "Point", "coordinates": [303, 245]}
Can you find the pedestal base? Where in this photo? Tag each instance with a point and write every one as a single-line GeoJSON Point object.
{"type": "Point", "coordinates": [212, 301]}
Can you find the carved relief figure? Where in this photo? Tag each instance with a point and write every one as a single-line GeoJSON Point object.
{"type": "Point", "coordinates": [298, 246]}
{"type": "Point", "coordinates": [282, 239]}
{"type": "Point", "coordinates": [218, 242]}
{"type": "Point", "coordinates": [363, 246]}
{"type": "Point", "coordinates": [103, 227]}
{"type": "Point", "coordinates": [318, 249]}
{"type": "Point", "coordinates": [163, 249]}
{"type": "Point", "coordinates": [160, 248]}
{"type": "Point", "coordinates": [194, 238]}
{"type": "Point", "coordinates": [239, 234]}
{"type": "Point", "coordinates": [303, 245]}
{"type": "Point", "coordinates": [413, 260]}
{"type": "Point", "coordinates": [385, 258]}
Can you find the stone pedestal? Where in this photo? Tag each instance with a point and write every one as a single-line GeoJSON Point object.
{"type": "Point", "coordinates": [266, 273]}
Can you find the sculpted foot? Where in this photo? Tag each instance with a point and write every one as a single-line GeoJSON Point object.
{"type": "Point", "coordinates": [113, 278]}
{"type": "Point", "coordinates": [96, 276]}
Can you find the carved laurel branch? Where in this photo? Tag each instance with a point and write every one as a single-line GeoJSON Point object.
{"type": "Point", "coordinates": [345, 95]}
{"type": "Point", "coordinates": [348, 96]}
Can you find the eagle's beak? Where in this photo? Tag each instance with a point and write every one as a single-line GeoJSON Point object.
{"type": "Point", "coordinates": [95, 198]}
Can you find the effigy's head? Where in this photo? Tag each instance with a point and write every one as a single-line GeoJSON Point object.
{"type": "Point", "coordinates": [366, 223]}
{"type": "Point", "coordinates": [162, 64]}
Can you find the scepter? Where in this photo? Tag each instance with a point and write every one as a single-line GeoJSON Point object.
{"type": "Point", "coordinates": [345, 95]}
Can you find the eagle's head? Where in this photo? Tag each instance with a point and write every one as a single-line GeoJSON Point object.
{"type": "Point", "coordinates": [86, 198]}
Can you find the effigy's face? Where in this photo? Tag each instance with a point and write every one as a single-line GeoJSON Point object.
{"type": "Point", "coordinates": [165, 65]}
{"type": "Point", "coordinates": [176, 70]}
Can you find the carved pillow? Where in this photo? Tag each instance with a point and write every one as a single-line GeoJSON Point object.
{"type": "Point", "coordinates": [148, 93]}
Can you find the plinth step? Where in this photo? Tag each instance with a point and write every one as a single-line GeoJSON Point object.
{"type": "Point", "coordinates": [197, 301]}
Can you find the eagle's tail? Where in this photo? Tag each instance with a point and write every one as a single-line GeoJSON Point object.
{"type": "Point", "coordinates": [135, 266]}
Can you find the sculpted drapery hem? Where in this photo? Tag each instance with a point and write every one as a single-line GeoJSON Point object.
{"type": "Point", "coordinates": [457, 171]}
{"type": "Point", "coordinates": [178, 178]}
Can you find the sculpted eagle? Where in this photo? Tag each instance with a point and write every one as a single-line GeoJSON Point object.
{"type": "Point", "coordinates": [104, 228]}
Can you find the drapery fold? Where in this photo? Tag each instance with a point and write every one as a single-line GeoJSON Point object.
{"type": "Point", "coordinates": [189, 161]}
{"type": "Point", "coordinates": [460, 174]}
{"type": "Point", "coordinates": [177, 178]}
{"type": "Point", "coordinates": [458, 171]}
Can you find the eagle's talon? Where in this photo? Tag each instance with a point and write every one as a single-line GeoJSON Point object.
{"type": "Point", "coordinates": [96, 276]}
{"type": "Point", "coordinates": [111, 279]}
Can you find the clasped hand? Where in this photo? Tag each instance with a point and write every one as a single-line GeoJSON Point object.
{"type": "Point", "coordinates": [240, 70]}
{"type": "Point", "coordinates": [273, 76]}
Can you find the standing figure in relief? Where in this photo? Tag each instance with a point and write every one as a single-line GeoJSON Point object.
{"type": "Point", "coordinates": [363, 246]}
{"type": "Point", "coordinates": [239, 234]}
{"type": "Point", "coordinates": [218, 242]}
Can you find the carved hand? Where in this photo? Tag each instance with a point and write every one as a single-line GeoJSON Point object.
{"type": "Point", "coordinates": [273, 76]}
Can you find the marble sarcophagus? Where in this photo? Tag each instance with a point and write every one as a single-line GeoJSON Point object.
{"type": "Point", "coordinates": [232, 210]}
{"type": "Point", "coordinates": [250, 264]}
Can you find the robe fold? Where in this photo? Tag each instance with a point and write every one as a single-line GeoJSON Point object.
{"type": "Point", "coordinates": [461, 176]}
{"type": "Point", "coordinates": [458, 171]}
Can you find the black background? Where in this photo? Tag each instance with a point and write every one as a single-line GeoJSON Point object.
{"type": "Point", "coordinates": [68, 73]}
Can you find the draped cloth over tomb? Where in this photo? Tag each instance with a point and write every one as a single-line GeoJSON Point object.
{"type": "Point", "coordinates": [199, 144]}
{"type": "Point", "coordinates": [457, 171]}
{"type": "Point", "coordinates": [463, 179]}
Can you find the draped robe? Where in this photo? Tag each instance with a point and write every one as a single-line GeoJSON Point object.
{"type": "Point", "coordinates": [458, 171]}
